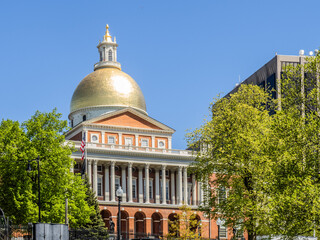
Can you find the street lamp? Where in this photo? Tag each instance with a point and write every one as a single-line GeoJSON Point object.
{"type": "Point", "coordinates": [234, 231]}
{"type": "Point", "coordinates": [119, 194]}
{"type": "Point", "coordinates": [219, 222]}
{"type": "Point", "coordinates": [30, 169]}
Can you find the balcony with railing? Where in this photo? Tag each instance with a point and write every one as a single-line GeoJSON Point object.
{"type": "Point", "coordinates": [126, 148]}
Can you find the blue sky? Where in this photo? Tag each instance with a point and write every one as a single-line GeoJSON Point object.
{"type": "Point", "coordinates": [181, 53]}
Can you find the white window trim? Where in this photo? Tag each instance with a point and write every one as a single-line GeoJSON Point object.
{"type": "Point", "coordinates": [100, 177]}
{"type": "Point", "coordinates": [126, 139]}
{"type": "Point", "coordinates": [144, 139]}
{"type": "Point", "coordinates": [94, 135]}
{"type": "Point", "coordinates": [134, 178]}
{"type": "Point", "coordinates": [161, 141]}
{"type": "Point", "coordinates": [114, 139]}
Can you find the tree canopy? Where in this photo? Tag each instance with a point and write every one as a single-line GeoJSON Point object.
{"type": "Point", "coordinates": [41, 135]}
{"type": "Point", "coordinates": [259, 158]}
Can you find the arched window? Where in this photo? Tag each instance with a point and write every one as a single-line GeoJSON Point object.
{"type": "Point", "coordinates": [110, 55]}
{"type": "Point", "coordinates": [84, 118]}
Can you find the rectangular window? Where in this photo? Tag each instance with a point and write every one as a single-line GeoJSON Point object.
{"type": "Point", "coordinates": [128, 141]}
{"type": "Point", "coordinates": [134, 188]}
{"type": "Point", "coordinates": [167, 189]}
{"type": "Point", "coordinates": [77, 166]}
{"type": "Point", "coordinates": [144, 143]}
{"type": "Point", "coordinates": [189, 193]}
{"type": "Point", "coordinates": [117, 183]}
{"type": "Point", "coordinates": [99, 168]}
{"type": "Point", "coordinates": [223, 232]}
{"type": "Point", "coordinates": [222, 194]}
{"type": "Point", "coordinates": [151, 188]}
{"type": "Point", "coordinates": [99, 187]}
{"type": "Point", "coordinates": [111, 140]}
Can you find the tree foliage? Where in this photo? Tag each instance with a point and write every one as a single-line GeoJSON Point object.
{"type": "Point", "coordinates": [296, 138]}
{"type": "Point", "coordinates": [42, 136]}
{"type": "Point", "coordinates": [264, 156]}
{"type": "Point", "coordinates": [185, 226]}
{"type": "Point", "coordinates": [234, 144]}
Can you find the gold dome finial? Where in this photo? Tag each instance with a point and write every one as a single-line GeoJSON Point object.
{"type": "Point", "coordinates": [107, 36]}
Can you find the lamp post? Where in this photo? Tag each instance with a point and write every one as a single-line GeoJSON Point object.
{"type": "Point", "coordinates": [119, 194]}
{"type": "Point", "coordinates": [234, 231]}
{"type": "Point", "coordinates": [219, 222]}
{"type": "Point", "coordinates": [30, 169]}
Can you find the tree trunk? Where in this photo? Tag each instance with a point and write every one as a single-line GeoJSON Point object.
{"type": "Point", "coordinates": [251, 235]}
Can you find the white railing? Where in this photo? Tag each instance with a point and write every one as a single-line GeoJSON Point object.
{"type": "Point", "coordinates": [134, 148]}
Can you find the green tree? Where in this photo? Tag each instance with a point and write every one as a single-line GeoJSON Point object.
{"type": "Point", "coordinates": [185, 226]}
{"type": "Point", "coordinates": [295, 143]}
{"type": "Point", "coordinates": [42, 136]}
{"type": "Point", "coordinates": [96, 221]}
{"type": "Point", "coordinates": [234, 160]}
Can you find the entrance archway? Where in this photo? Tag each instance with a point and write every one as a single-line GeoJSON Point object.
{"type": "Point", "coordinates": [195, 223]}
{"type": "Point", "coordinates": [140, 225]}
{"type": "Point", "coordinates": [173, 225]}
{"type": "Point", "coordinates": [124, 225]}
{"type": "Point", "coordinates": [156, 220]}
{"type": "Point", "coordinates": [106, 216]}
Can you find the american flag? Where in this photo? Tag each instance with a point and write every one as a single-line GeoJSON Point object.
{"type": "Point", "coordinates": [82, 147]}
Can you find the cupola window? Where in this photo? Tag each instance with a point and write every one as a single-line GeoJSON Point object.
{"type": "Point", "coordinates": [110, 55]}
{"type": "Point", "coordinates": [84, 117]}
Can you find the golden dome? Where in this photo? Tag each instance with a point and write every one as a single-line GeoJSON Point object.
{"type": "Point", "coordinates": [108, 87]}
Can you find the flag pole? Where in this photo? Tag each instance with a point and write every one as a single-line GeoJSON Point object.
{"type": "Point", "coordinates": [85, 154]}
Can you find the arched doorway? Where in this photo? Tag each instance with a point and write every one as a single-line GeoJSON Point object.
{"type": "Point", "coordinates": [173, 225]}
{"type": "Point", "coordinates": [124, 225]}
{"type": "Point", "coordinates": [195, 223]}
{"type": "Point", "coordinates": [106, 217]}
{"type": "Point", "coordinates": [140, 225]}
{"type": "Point", "coordinates": [156, 221]}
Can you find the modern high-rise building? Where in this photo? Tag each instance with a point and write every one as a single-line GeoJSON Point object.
{"type": "Point", "coordinates": [128, 148]}
{"type": "Point", "coordinates": [266, 76]}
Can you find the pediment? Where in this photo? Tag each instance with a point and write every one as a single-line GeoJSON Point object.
{"type": "Point", "coordinates": [130, 118]}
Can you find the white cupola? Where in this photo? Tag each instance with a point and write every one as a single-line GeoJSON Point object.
{"type": "Point", "coordinates": [108, 52]}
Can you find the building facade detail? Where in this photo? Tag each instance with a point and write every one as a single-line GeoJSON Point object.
{"type": "Point", "coordinates": [126, 147]}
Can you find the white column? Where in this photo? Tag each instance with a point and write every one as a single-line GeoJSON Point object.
{"type": "Point", "coordinates": [140, 186]}
{"type": "Point", "coordinates": [106, 183]}
{"type": "Point", "coordinates": [164, 194]}
{"type": "Point", "coordinates": [137, 140]}
{"type": "Point", "coordinates": [123, 183]}
{"type": "Point", "coordinates": [130, 182]}
{"type": "Point", "coordinates": [180, 185]}
{"type": "Point", "coordinates": [173, 194]}
{"type": "Point", "coordinates": [120, 138]}
{"type": "Point", "coordinates": [194, 190]}
{"type": "Point", "coordinates": [157, 186]}
{"type": "Point", "coordinates": [153, 141]}
{"type": "Point", "coordinates": [95, 177]}
{"type": "Point", "coordinates": [103, 137]}
{"type": "Point", "coordinates": [170, 143]}
{"type": "Point", "coordinates": [185, 185]}
{"type": "Point", "coordinates": [146, 177]}
{"type": "Point", "coordinates": [112, 185]}
{"type": "Point", "coordinates": [89, 172]}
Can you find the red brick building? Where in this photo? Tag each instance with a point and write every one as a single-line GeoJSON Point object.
{"type": "Point", "coordinates": [126, 147]}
